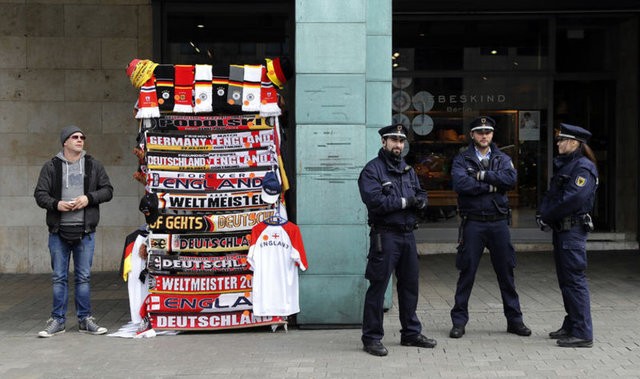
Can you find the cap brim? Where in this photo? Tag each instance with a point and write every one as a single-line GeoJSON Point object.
{"type": "Point", "coordinates": [269, 199]}
{"type": "Point", "coordinates": [489, 128]}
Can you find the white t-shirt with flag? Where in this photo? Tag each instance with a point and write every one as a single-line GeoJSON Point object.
{"type": "Point", "coordinates": [275, 255]}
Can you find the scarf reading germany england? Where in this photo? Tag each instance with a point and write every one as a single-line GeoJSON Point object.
{"type": "Point", "coordinates": [170, 141]}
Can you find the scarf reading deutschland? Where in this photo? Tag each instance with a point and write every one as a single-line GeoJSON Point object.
{"type": "Point", "coordinates": [234, 263]}
{"type": "Point", "coordinates": [211, 161]}
{"type": "Point", "coordinates": [215, 321]}
{"type": "Point", "coordinates": [171, 141]}
{"type": "Point", "coordinates": [204, 181]}
{"type": "Point", "coordinates": [199, 243]}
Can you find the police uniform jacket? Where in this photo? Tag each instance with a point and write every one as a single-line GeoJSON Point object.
{"type": "Point", "coordinates": [383, 183]}
{"type": "Point", "coordinates": [572, 189]}
{"type": "Point", "coordinates": [485, 197]}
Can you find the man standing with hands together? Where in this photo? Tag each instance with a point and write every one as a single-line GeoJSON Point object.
{"type": "Point", "coordinates": [70, 187]}
{"type": "Point", "coordinates": [482, 174]}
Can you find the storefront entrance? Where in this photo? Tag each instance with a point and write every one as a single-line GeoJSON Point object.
{"type": "Point", "coordinates": [528, 72]}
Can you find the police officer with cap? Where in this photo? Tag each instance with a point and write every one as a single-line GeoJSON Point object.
{"type": "Point", "coordinates": [482, 175]}
{"type": "Point", "coordinates": [566, 209]}
{"type": "Point", "coordinates": [391, 191]}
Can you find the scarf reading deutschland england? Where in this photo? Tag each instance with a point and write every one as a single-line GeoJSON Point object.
{"type": "Point", "coordinates": [211, 161]}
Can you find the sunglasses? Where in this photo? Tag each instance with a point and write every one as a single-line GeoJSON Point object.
{"type": "Point", "coordinates": [80, 137]}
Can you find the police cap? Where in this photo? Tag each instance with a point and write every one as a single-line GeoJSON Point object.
{"type": "Point", "coordinates": [574, 132]}
{"type": "Point", "coordinates": [482, 123]}
{"type": "Point", "coordinates": [394, 130]}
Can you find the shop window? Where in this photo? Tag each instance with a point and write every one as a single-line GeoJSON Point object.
{"type": "Point", "coordinates": [446, 73]}
{"type": "Point", "coordinates": [580, 45]}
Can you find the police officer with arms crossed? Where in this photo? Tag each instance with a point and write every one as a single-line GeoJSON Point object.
{"type": "Point", "coordinates": [482, 175]}
{"type": "Point", "coordinates": [391, 191]}
{"type": "Point", "coordinates": [565, 208]}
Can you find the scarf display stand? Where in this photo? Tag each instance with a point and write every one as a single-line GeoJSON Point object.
{"type": "Point", "coordinates": [207, 136]}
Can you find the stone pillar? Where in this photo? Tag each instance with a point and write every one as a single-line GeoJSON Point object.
{"type": "Point", "coordinates": [343, 95]}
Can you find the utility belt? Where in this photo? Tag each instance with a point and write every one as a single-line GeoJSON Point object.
{"type": "Point", "coordinates": [495, 217]}
{"type": "Point", "coordinates": [396, 228]}
{"type": "Point", "coordinates": [570, 221]}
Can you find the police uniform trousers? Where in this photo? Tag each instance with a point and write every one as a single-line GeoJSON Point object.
{"type": "Point", "coordinates": [570, 255]}
{"type": "Point", "coordinates": [398, 254]}
{"type": "Point", "coordinates": [496, 237]}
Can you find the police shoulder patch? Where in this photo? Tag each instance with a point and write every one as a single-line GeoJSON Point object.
{"type": "Point", "coordinates": [581, 181]}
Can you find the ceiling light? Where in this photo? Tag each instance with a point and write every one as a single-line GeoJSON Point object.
{"type": "Point", "coordinates": [494, 52]}
{"type": "Point", "coordinates": [200, 26]}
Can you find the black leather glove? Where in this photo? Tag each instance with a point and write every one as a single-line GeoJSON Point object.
{"type": "Point", "coordinates": [542, 225]}
{"type": "Point", "coordinates": [472, 172]}
{"type": "Point", "coordinates": [411, 201]}
{"type": "Point", "coordinates": [421, 203]}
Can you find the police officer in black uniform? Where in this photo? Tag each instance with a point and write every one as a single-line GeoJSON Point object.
{"type": "Point", "coordinates": [566, 209]}
{"type": "Point", "coordinates": [391, 191]}
{"type": "Point", "coordinates": [482, 175]}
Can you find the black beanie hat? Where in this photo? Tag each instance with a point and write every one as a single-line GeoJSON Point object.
{"type": "Point", "coordinates": [67, 131]}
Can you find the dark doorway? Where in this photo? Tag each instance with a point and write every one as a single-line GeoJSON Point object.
{"type": "Point", "coordinates": [591, 104]}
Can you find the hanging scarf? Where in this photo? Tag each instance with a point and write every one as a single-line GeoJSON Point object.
{"type": "Point", "coordinates": [203, 89]}
{"type": "Point", "coordinates": [147, 100]}
{"type": "Point", "coordinates": [164, 86]}
{"type": "Point", "coordinates": [268, 96]}
{"type": "Point", "coordinates": [236, 77]}
{"type": "Point", "coordinates": [183, 89]}
{"type": "Point", "coordinates": [251, 88]}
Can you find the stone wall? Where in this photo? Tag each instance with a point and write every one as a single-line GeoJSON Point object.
{"type": "Point", "coordinates": [62, 62]}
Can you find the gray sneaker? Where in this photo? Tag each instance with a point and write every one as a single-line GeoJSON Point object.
{"type": "Point", "coordinates": [88, 325]}
{"type": "Point", "coordinates": [54, 326]}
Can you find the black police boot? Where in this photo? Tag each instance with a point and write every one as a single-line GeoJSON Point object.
{"type": "Point", "coordinates": [456, 331]}
{"type": "Point", "coordinates": [375, 348]}
{"type": "Point", "coordinates": [560, 333]}
{"type": "Point", "coordinates": [519, 329]}
{"type": "Point", "coordinates": [419, 341]}
{"type": "Point", "coordinates": [574, 342]}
